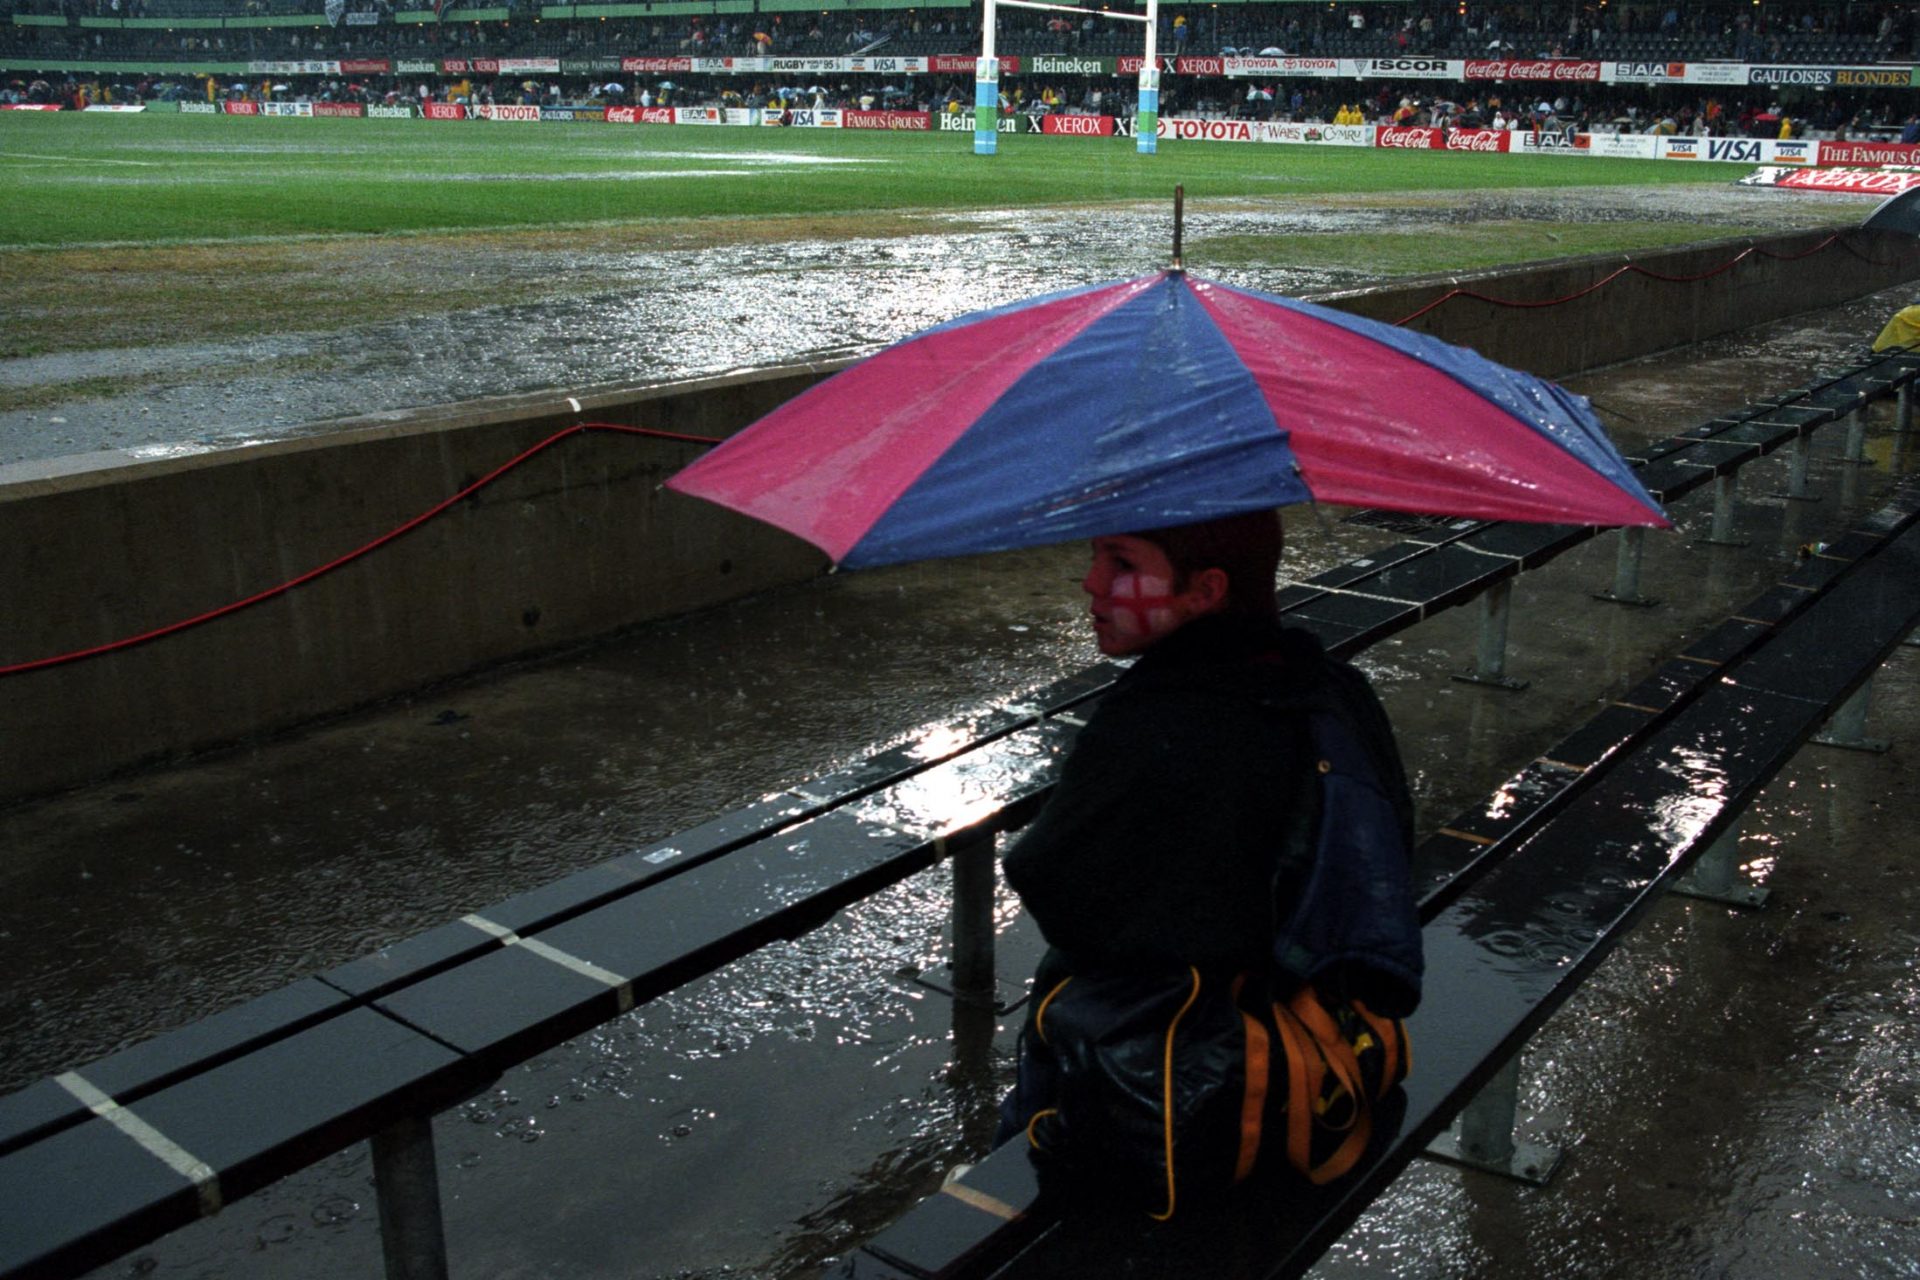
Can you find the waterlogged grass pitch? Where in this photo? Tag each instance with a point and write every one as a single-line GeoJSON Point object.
{"type": "Point", "coordinates": [103, 179]}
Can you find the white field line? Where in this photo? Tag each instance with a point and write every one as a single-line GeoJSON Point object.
{"type": "Point", "coordinates": [34, 155]}
{"type": "Point", "coordinates": [253, 177]}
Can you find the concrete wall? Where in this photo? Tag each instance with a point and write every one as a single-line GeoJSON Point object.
{"type": "Point", "coordinates": [1638, 314]}
{"type": "Point", "coordinates": [574, 544]}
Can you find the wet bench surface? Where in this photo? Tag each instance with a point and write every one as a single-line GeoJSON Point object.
{"type": "Point", "coordinates": [100, 1160]}
{"type": "Point", "coordinates": [1520, 900]}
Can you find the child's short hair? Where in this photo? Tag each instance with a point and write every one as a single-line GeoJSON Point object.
{"type": "Point", "coordinates": [1246, 547]}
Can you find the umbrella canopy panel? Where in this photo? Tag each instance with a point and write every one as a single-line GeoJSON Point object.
{"type": "Point", "coordinates": [1157, 401]}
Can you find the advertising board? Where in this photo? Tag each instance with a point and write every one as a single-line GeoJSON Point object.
{"type": "Point", "coordinates": [656, 66]}
{"type": "Point", "coordinates": [1866, 182]}
{"type": "Point", "coordinates": [1817, 76]}
{"type": "Point", "coordinates": [902, 121]}
{"type": "Point", "coordinates": [1623, 146]}
{"type": "Point", "coordinates": [1549, 142]}
{"type": "Point", "coordinates": [1079, 126]}
{"type": "Point", "coordinates": [1644, 72]}
{"type": "Point", "coordinates": [1254, 66]}
{"type": "Point", "coordinates": [1409, 137]}
{"type": "Point", "coordinates": [1555, 70]}
{"type": "Point", "coordinates": [1410, 68]}
{"type": "Point", "coordinates": [1869, 153]}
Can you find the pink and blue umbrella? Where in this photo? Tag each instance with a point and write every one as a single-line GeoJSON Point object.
{"type": "Point", "coordinates": [1158, 401]}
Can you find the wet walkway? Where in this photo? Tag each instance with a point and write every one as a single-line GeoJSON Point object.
{"type": "Point", "coordinates": [1736, 1092]}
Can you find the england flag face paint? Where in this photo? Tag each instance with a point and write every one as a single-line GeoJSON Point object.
{"type": "Point", "coordinates": [1131, 582]}
{"type": "Point", "coordinates": [1139, 605]}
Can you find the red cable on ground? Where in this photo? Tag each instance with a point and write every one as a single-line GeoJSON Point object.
{"type": "Point", "coordinates": [129, 642]}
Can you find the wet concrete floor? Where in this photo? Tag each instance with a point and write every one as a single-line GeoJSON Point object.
{"type": "Point", "coordinates": [1736, 1093]}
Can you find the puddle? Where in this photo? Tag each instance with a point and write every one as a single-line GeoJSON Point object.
{"type": "Point", "coordinates": [674, 314]}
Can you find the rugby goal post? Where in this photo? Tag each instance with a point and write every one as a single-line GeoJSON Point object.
{"type": "Point", "coordinates": [986, 75]}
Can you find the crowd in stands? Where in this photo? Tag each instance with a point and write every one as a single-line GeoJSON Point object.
{"type": "Point", "coordinates": [1809, 31]}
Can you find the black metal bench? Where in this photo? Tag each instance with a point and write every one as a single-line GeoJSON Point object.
{"type": "Point", "coordinates": [1520, 899]}
{"type": "Point", "coordinates": [100, 1160]}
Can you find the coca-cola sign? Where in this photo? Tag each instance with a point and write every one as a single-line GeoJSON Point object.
{"type": "Point", "coordinates": [655, 66]}
{"type": "Point", "coordinates": [1531, 69]}
{"type": "Point", "coordinates": [1477, 140]}
{"type": "Point", "coordinates": [1081, 126]}
{"type": "Point", "coordinates": [1414, 137]}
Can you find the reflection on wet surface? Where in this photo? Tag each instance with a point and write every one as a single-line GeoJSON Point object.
{"type": "Point", "coordinates": [656, 315]}
{"type": "Point", "coordinates": [1734, 1091]}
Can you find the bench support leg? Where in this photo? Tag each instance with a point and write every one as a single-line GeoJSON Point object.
{"type": "Point", "coordinates": [1726, 488]}
{"type": "Point", "coordinates": [970, 975]}
{"type": "Point", "coordinates": [407, 1185]}
{"type": "Point", "coordinates": [1626, 571]}
{"type": "Point", "coordinates": [1848, 728]}
{"type": "Point", "coordinates": [1904, 420]}
{"type": "Point", "coordinates": [1856, 454]}
{"type": "Point", "coordinates": [1799, 457]}
{"type": "Point", "coordinates": [1715, 876]}
{"type": "Point", "coordinates": [1482, 1135]}
{"type": "Point", "coordinates": [1495, 609]}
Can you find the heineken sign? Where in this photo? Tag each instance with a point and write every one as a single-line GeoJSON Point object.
{"type": "Point", "coordinates": [1046, 64]}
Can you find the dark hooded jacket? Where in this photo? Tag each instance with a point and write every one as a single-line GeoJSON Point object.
{"type": "Point", "coordinates": [1181, 829]}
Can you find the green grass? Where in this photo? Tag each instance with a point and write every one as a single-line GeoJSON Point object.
{"type": "Point", "coordinates": [80, 179]}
